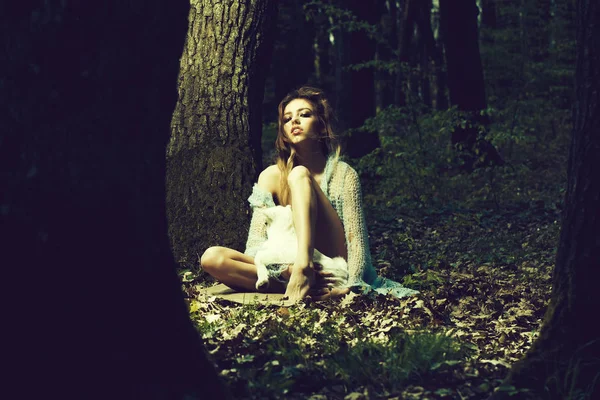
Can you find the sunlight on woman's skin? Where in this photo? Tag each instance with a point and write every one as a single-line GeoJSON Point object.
{"type": "Point", "coordinates": [300, 283]}
{"type": "Point", "coordinates": [304, 212]}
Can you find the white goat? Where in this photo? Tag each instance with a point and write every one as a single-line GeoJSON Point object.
{"type": "Point", "coordinates": [281, 247]}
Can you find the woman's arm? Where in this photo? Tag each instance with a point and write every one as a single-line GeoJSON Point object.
{"type": "Point", "coordinates": [257, 233]}
{"type": "Point", "coordinates": [261, 197]}
{"type": "Point", "coordinates": [357, 238]}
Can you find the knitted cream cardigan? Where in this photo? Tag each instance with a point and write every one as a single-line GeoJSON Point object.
{"type": "Point", "coordinates": [341, 185]}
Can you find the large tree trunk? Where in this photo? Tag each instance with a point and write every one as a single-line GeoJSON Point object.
{"type": "Point", "coordinates": [87, 95]}
{"type": "Point", "coordinates": [465, 78]}
{"type": "Point", "coordinates": [567, 352]}
{"type": "Point", "coordinates": [214, 153]}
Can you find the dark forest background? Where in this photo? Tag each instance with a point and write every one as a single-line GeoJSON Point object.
{"type": "Point", "coordinates": [417, 106]}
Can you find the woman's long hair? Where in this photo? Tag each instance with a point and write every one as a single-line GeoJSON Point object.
{"type": "Point", "coordinates": [286, 154]}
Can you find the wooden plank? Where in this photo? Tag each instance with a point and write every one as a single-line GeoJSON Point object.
{"type": "Point", "coordinates": [225, 292]}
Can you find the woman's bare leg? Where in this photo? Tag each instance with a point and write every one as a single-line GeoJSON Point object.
{"type": "Point", "coordinates": [329, 240]}
{"type": "Point", "coordinates": [304, 213]}
{"type": "Point", "coordinates": [317, 225]}
{"type": "Point", "coordinates": [235, 269]}
{"type": "Point", "coordinates": [329, 231]}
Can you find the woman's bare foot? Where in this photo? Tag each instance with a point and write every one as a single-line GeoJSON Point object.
{"type": "Point", "coordinates": [328, 293]}
{"type": "Point", "coordinates": [324, 287]}
{"type": "Point", "coordinates": [301, 279]}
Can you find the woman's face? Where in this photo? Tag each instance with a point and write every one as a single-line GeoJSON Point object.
{"type": "Point", "coordinates": [299, 121]}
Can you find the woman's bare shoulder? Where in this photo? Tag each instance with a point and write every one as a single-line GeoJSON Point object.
{"type": "Point", "coordinates": [269, 179]}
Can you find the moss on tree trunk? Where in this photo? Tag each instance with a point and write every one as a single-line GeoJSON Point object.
{"type": "Point", "coordinates": [214, 153]}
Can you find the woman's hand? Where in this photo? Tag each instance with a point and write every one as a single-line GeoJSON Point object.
{"type": "Point", "coordinates": [325, 285]}
{"type": "Point", "coordinates": [329, 278]}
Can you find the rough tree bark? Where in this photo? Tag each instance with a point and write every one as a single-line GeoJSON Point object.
{"type": "Point", "coordinates": [214, 153]}
{"type": "Point", "coordinates": [465, 78]}
{"type": "Point", "coordinates": [564, 362]}
{"type": "Point", "coordinates": [86, 98]}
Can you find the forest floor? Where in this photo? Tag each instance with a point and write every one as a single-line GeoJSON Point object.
{"type": "Point", "coordinates": [484, 278]}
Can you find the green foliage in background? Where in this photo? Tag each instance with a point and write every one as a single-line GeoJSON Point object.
{"type": "Point", "coordinates": [417, 165]}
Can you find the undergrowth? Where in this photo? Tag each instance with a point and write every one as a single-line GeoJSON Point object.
{"type": "Point", "coordinates": [416, 167]}
{"type": "Point", "coordinates": [306, 348]}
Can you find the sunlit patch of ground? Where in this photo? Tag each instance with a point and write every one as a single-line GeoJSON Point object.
{"type": "Point", "coordinates": [484, 282]}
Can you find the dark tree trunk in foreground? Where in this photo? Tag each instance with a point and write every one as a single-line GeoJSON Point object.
{"type": "Point", "coordinates": [564, 362]}
{"type": "Point", "coordinates": [87, 94]}
{"type": "Point", "coordinates": [465, 78]}
{"type": "Point", "coordinates": [214, 153]}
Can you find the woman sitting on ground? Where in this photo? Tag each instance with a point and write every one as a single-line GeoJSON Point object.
{"type": "Point", "coordinates": [325, 197]}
